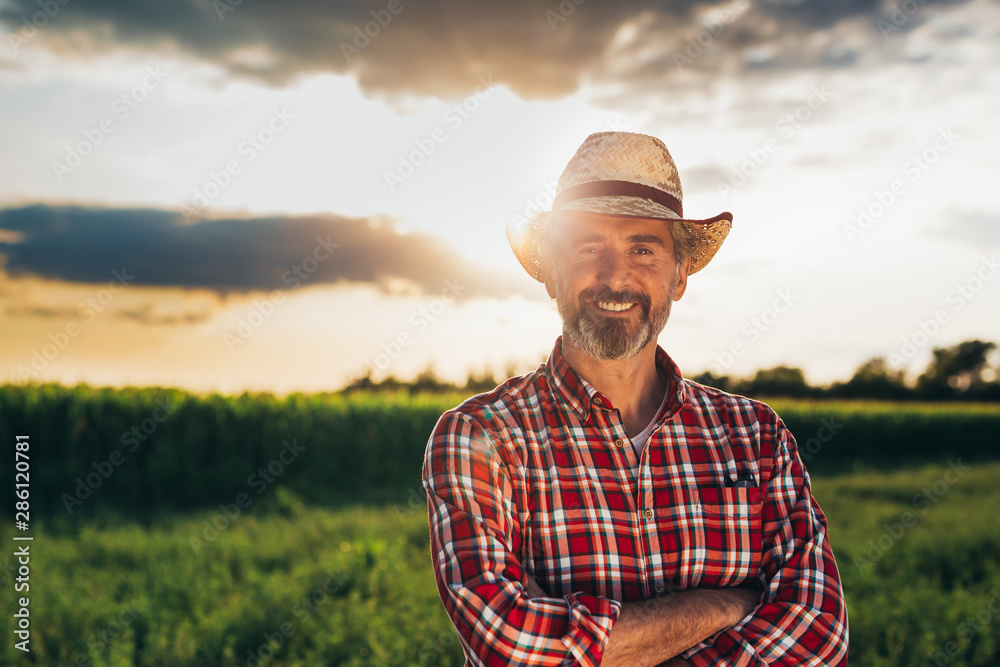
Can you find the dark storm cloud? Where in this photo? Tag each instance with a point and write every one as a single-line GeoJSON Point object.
{"type": "Point", "coordinates": [540, 49]}
{"type": "Point", "coordinates": [86, 244]}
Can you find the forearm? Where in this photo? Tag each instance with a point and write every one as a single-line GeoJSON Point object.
{"type": "Point", "coordinates": [650, 632]}
{"type": "Point", "coordinates": [779, 634]}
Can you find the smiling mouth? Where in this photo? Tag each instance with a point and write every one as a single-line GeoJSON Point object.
{"type": "Point", "coordinates": [614, 306]}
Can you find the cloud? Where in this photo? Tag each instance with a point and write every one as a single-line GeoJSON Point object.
{"type": "Point", "coordinates": [975, 228]}
{"type": "Point", "coordinates": [767, 40]}
{"type": "Point", "coordinates": [539, 49]}
{"type": "Point", "coordinates": [145, 314]}
{"type": "Point", "coordinates": [55, 312]}
{"type": "Point", "coordinates": [155, 247]}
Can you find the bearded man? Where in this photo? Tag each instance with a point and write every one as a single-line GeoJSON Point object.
{"type": "Point", "coordinates": [603, 509]}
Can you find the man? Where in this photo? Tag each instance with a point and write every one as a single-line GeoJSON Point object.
{"type": "Point", "coordinates": [602, 509]}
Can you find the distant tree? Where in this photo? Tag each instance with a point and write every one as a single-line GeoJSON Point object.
{"type": "Point", "coordinates": [510, 369]}
{"type": "Point", "coordinates": [392, 383]}
{"type": "Point", "coordinates": [710, 379]}
{"type": "Point", "coordinates": [427, 381]}
{"type": "Point", "coordinates": [873, 379]}
{"type": "Point", "coordinates": [777, 381]}
{"type": "Point", "coordinates": [478, 384]}
{"type": "Point", "coordinates": [486, 381]}
{"type": "Point", "coordinates": [962, 372]}
{"type": "Point", "coordinates": [956, 371]}
{"type": "Point", "coordinates": [361, 382]}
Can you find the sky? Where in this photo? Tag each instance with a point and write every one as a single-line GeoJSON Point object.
{"type": "Point", "coordinates": [228, 196]}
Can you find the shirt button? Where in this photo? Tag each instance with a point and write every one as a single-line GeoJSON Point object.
{"type": "Point", "coordinates": [648, 514]}
{"type": "Point", "coordinates": [619, 442]}
{"type": "Point", "coordinates": [659, 587]}
{"type": "Point", "coordinates": [597, 401]}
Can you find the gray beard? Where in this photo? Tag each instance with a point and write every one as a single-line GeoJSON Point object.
{"type": "Point", "coordinates": [613, 338]}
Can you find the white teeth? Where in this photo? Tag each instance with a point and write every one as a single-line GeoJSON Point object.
{"type": "Point", "coordinates": [613, 305]}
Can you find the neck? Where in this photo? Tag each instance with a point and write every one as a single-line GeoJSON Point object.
{"type": "Point", "coordinates": [634, 386]}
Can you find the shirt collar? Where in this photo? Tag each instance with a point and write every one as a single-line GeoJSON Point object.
{"type": "Point", "coordinates": [581, 397]}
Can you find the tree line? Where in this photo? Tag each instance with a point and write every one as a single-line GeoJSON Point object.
{"type": "Point", "coordinates": [960, 372]}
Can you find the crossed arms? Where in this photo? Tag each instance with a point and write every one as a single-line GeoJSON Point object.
{"type": "Point", "coordinates": [649, 632]}
{"type": "Point", "coordinates": [504, 618]}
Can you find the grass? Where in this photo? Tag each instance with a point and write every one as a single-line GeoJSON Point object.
{"type": "Point", "coordinates": [286, 583]}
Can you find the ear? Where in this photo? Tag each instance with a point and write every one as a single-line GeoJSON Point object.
{"type": "Point", "coordinates": [548, 277]}
{"type": "Point", "coordinates": [548, 270]}
{"type": "Point", "coordinates": [682, 279]}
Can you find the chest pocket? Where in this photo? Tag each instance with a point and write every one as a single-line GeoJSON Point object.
{"type": "Point", "coordinates": [728, 521]}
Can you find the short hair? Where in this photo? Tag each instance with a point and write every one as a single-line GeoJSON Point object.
{"type": "Point", "coordinates": [684, 240]}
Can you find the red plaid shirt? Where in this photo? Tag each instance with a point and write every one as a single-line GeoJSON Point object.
{"type": "Point", "coordinates": [539, 476]}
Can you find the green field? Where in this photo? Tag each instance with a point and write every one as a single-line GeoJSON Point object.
{"type": "Point", "coordinates": [300, 577]}
{"type": "Point", "coordinates": [352, 586]}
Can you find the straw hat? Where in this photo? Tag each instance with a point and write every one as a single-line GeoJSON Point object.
{"type": "Point", "coordinates": [622, 174]}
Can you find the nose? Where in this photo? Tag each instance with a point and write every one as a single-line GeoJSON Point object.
{"type": "Point", "coordinates": [614, 270]}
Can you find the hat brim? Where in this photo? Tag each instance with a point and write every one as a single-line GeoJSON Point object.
{"type": "Point", "coordinates": [525, 238]}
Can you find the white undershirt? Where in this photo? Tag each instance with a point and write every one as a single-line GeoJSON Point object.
{"type": "Point", "coordinates": [639, 441]}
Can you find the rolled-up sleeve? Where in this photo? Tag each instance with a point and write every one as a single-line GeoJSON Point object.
{"type": "Point", "coordinates": [803, 617]}
{"type": "Point", "coordinates": [473, 498]}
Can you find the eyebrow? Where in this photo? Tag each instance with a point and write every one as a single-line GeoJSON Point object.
{"type": "Point", "coordinates": [635, 238]}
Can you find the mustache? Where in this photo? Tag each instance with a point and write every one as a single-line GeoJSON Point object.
{"type": "Point", "coordinates": [625, 296]}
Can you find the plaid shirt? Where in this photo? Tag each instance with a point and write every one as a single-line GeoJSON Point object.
{"type": "Point", "coordinates": [538, 476]}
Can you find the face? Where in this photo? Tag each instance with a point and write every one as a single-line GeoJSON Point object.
{"type": "Point", "coordinates": [613, 280]}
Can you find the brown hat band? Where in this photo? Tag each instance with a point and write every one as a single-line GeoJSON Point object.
{"type": "Point", "coordinates": [621, 188]}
